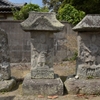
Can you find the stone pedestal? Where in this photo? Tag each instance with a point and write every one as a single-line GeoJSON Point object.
{"type": "Point", "coordinates": [83, 86]}
{"type": "Point", "coordinates": [7, 85]}
{"type": "Point", "coordinates": [88, 66]}
{"type": "Point", "coordinates": [42, 79]}
{"type": "Point", "coordinates": [42, 86]}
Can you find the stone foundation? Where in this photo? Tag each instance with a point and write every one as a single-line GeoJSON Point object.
{"type": "Point", "coordinates": [83, 86]}
{"type": "Point", "coordinates": [42, 86]}
{"type": "Point", "coordinates": [7, 85]}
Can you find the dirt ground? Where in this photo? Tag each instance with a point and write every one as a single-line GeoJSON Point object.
{"type": "Point", "coordinates": [64, 69]}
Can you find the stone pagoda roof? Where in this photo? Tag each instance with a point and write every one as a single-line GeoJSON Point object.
{"type": "Point", "coordinates": [6, 6]}
{"type": "Point", "coordinates": [41, 21]}
{"type": "Point", "coordinates": [89, 23]}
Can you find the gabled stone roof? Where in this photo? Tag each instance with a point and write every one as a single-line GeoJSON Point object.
{"type": "Point", "coordinates": [41, 21]}
{"type": "Point", "coordinates": [89, 23]}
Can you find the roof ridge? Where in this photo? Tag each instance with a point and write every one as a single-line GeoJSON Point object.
{"type": "Point", "coordinates": [11, 4]}
{"type": "Point", "coordinates": [8, 2]}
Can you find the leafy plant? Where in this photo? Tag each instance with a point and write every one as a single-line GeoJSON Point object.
{"type": "Point", "coordinates": [70, 14]}
{"type": "Point", "coordinates": [24, 11]}
{"type": "Point", "coordinates": [44, 9]}
{"type": "Point", "coordinates": [90, 77]}
{"type": "Point", "coordinates": [73, 58]}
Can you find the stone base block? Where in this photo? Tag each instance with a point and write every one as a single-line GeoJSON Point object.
{"type": "Point", "coordinates": [83, 86]}
{"type": "Point", "coordinates": [42, 73]}
{"type": "Point", "coordinates": [7, 85]}
{"type": "Point", "coordinates": [42, 86]}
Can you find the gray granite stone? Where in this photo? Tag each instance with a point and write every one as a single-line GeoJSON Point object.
{"type": "Point", "coordinates": [87, 79]}
{"type": "Point", "coordinates": [5, 72]}
{"type": "Point", "coordinates": [42, 55]}
{"type": "Point", "coordinates": [42, 73]}
{"type": "Point", "coordinates": [90, 22]}
{"type": "Point", "coordinates": [88, 47]}
{"type": "Point", "coordinates": [83, 86]}
{"type": "Point", "coordinates": [42, 21]}
{"type": "Point", "coordinates": [6, 82]}
{"type": "Point", "coordinates": [42, 80]}
{"type": "Point", "coordinates": [42, 86]}
{"type": "Point", "coordinates": [7, 85]}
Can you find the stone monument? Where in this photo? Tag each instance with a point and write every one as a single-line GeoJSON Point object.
{"type": "Point", "coordinates": [88, 69]}
{"type": "Point", "coordinates": [41, 79]}
{"type": "Point", "coordinates": [6, 82]}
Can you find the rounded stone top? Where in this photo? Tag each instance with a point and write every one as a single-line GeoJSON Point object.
{"type": "Point", "coordinates": [41, 21]}
{"type": "Point", "coordinates": [90, 22]}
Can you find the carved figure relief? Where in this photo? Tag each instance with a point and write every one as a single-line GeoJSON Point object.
{"type": "Point", "coordinates": [41, 61]}
{"type": "Point", "coordinates": [89, 57]}
{"type": "Point", "coordinates": [88, 51]}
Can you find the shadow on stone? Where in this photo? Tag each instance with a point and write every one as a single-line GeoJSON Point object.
{"type": "Point", "coordinates": [18, 83]}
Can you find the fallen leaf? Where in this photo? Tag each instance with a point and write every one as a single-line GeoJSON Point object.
{"type": "Point", "coordinates": [40, 96]}
{"type": "Point", "coordinates": [50, 97]}
{"type": "Point", "coordinates": [54, 97]}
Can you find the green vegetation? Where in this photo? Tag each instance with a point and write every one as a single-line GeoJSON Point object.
{"type": "Point", "coordinates": [24, 11]}
{"type": "Point", "coordinates": [67, 10]}
{"type": "Point", "coordinates": [70, 14]}
{"type": "Point", "coordinates": [90, 77]}
{"type": "Point", "coordinates": [73, 58]}
{"type": "Point", "coordinates": [88, 6]}
{"type": "Point", "coordinates": [73, 10]}
{"type": "Point", "coordinates": [53, 4]}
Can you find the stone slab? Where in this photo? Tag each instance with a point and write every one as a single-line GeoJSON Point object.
{"type": "Point", "coordinates": [42, 73]}
{"type": "Point", "coordinates": [83, 86]}
{"type": "Point", "coordinates": [42, 86]}
{"type": "Point", "coordinates": [7, 85]}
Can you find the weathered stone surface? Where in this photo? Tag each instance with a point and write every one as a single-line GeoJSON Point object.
{"type": "Point", "coordinates": [42, 21]}
{"type": "Point", "coordinates": [88, 47]}
{"type": "Point", "coordinates": [41, 80]}
{"type": "Point", "coordinates": [83, 86]}
{"type": "Point", "coordinates": [5, 72]}
{"type": "Point", "coordinates": [89, 23]}
{"type": "Point", "coordinates": [42, 86]}
{"type": "Point", "coordinates": [87, 79]}
{"type": "Point", "coordinates": [42, 55]}
{"type": "Point", "coordinates": [88, 54]}
{"type": "Point", "coordinates": [42, 73]}
{"type": "Point", "coordinates": [7, 85]}
{"type": "Point", "coordinates": [42, 26]}
{"type": "Point", "coordinates": [84, 71]}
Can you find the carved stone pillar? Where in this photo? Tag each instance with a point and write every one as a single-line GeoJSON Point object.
{"type": "Point", "coordinates": [6, 81]}
{"type": "Point", "coordinates": [88, 47]}
{"type": "Point", "coordinates": [87, 79]}
{"type": "Point", "coordinates": [41, 27]}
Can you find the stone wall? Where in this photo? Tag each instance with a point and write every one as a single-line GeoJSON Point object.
{"type": "Point", "coordinates": [19, 42]}
{"type": "Point", "coordinates": [65, 43]}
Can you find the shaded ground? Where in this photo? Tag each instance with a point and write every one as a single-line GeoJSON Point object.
{"type": "Point", "coordinates": [62, 69]}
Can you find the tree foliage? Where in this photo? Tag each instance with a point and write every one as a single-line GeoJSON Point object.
{"type": "Point", "coordinates": [53, 4]}
{"type": "Point", "coordinates": [70, 14]}
{"type": "Point", "coordinates": [88, 6]}
{"type": "Point", "coordinates": [24, 11]}
{"type": "Point", "coordinates": [44, 9]}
